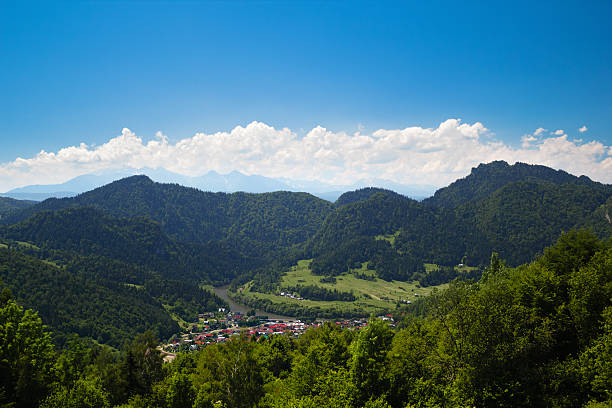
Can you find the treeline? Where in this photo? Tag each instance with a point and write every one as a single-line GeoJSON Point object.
{"type": "Point", "coordinates": [313, 292]}
{"type": "Point", "coordinates": [444, 274]}
{"type": "Point", "coordinates": [74, 304]}
{"type": "Point", "coordinates": [539, 335]}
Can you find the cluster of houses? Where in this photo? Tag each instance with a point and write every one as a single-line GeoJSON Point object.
{"type": "Point", "coordinates": [291, 295]}
{"type": "Point", "coordinates": [219, 328]}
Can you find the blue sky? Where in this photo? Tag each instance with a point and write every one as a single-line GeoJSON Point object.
{"type": "Point", "coordinates": [79, 72]}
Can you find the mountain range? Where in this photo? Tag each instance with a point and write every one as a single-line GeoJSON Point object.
{"type": "Point", "coordinates": [166, 240]}
{"type": "Point", "coordinates": [213, 181]}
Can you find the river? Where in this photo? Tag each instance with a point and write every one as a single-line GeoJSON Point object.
{"type": "Point", "coordinates": [221, 291]}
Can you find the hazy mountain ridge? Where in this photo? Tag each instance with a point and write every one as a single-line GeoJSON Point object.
{"type": "Point", "coordinates": [470, 217]}
{"type": "Point", "coordinates": [214, 182]}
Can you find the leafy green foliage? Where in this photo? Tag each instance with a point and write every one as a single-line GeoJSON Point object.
{"type": "Point", "coordinates": [367, 366]}
{"type": "Point", "coordinates": [26, 356]}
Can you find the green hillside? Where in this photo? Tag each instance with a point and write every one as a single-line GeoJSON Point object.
{"type": "Point", "coordinates": [70, 303]}
{"type": "Point", "coordinates": [8, 205]}
{"type": "Point", "coordinates": [513, 210]}
{"type": "Point", "coordinates": [485, 179]}
{"type": "Point", "coordinates": [357, 293]}
{"type": "Point", "coordinates": [135, 240]}
{"type": "Point", "coordinates": [253, 223]}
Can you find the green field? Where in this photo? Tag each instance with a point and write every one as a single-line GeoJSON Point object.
{"type": "Point", "coordinates": [372, 296]}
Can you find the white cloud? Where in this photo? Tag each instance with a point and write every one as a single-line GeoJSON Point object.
{"type": "Point", "coordinates": [527, 140]}
{"type": "Point", "coordinates": [559, 132]}
{"type": "Point", "coordinates": [411, 155]}
{"type": "Point", "coordinates": [583, 129]}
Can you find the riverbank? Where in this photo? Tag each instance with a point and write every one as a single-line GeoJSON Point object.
{"type": "Point", "coordinates": [221, 291]}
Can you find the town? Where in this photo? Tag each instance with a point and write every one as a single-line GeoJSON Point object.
{"type": "Point", "coordinates": [219, 327]}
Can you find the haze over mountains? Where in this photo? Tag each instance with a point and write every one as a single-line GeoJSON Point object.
{"type": "Point", "coordinates": [213, 181]}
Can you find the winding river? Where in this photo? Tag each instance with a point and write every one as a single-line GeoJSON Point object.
{"type": "Point", "coordinates": [221, 291]}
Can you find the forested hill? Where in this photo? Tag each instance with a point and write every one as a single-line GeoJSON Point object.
{"type": "Point", "coordinates": [513, 210]}
{"type": "Point", "coordinates": [360, 195]}
{"type": "Point", "coordinates": [485, 179]}
{"type": "Point", "coordinates": [108, 312]}
{"type": "Point", "coordinates": [255, 223]}
{"type": "Point", "coordinates": [9, 204]}
{"type": "Point", "coordinates": [136, 240]}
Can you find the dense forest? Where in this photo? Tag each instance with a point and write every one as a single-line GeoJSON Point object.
{"type": "Point", "coordinates": [515, 211]}
{"type": "Point", "coordinates": [100, 298]}
{"type": "Point", "coordinates": [137, 240]}
{"type": "Point", "coordinates": [537, 335]}
{"type": "Point", "coordinates": [8, 205]}
{"type": "Point", "coordinates": [255, 224]}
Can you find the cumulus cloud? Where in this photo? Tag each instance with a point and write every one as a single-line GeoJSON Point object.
{"type": "Point", "coordinates": [412, 155]}
{"type": "Point", "coordinates": [559, 132]}
{"type": "Point", "coordinates": [527, 140]}
{"type": "Point", "coordinates": [583, 129]}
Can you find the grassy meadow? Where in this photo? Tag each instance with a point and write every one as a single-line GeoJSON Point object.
{"type": "Point", "coordinates": [373, 296]}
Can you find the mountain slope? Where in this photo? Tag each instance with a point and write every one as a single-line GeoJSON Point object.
{"type": "Point", "coordinates": [513, 210]}
{"type": "Point", "coordinates": [359, 195]}
{"type": "Point", "coordinates": [257, 223]}
{"type": "Point", "coordinates": [8, 204]}
{"type": "Point", "coordinates": [72, 304]}
{"type": "Point", "coordinates": [487, 178]}
{"type": "Point", "coordinates": [136, 240]}
{"type": "Point", "coordinates": [529, 215]}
